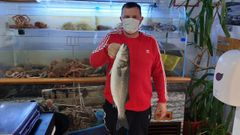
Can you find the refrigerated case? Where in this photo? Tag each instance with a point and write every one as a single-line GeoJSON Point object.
{"type": "Point", "coordinates": [40, 33]}
{"type": "Point", "coordinates": [51, 36]}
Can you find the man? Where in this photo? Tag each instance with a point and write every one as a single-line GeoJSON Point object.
{"type": "Point", "coordinates": [145, 62]}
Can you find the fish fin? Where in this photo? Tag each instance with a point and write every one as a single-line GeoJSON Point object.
{"type": "Point", "coordinates": [119, 71]}
{"type": "Point", "coordinates": [122, 123]}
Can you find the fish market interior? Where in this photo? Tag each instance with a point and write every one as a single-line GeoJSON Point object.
{"type": "Point", "coordinates": [58, 70]}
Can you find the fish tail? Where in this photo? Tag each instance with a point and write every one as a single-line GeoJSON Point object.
{"type": "Point", "coordinates": [122, 123]}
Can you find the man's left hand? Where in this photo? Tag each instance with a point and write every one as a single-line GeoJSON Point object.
{"type": "Point", "coordinates": [161, 111]}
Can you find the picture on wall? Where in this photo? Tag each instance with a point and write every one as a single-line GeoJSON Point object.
{"type": "Point", "coordinates": [233, 13]}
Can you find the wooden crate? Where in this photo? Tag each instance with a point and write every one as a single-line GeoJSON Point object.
{"type": "Point", "coordinates": [168, 116]}
{"type": "Point", "coordinates": [226, 44]}
{"type": "Point", "coordinates": [164, 128]}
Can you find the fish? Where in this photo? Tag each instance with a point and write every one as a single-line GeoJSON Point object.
{"type": "Point", "coordinates": [120, 73]}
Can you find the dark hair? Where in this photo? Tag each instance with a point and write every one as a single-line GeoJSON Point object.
{"type": "Point", "coordinates": [132, 5]}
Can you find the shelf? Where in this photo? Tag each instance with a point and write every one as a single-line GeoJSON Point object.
{"type": "Point", "coordinates": [178, 79]}
{"type": "Point", "coordinates": [42, 39]}
{"type": "Point", "coordinates": [85, 80]}
{"type": "Point", "coordinates": [54, 32]}
{"type": "Point", "coordinates": [34, 32]}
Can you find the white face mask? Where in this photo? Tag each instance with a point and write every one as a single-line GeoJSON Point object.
{"type": "Point", "coordinates": [130, 25]}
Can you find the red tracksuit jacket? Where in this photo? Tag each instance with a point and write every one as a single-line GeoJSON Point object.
{"type": "Point", "coordinates": [145, 62]}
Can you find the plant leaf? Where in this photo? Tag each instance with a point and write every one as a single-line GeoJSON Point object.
{"type": "Point", "coordinates": [209, 45]}
{"type": "Point", "coordinates": [201, 24]}
{"type": "Point", "coordinates": [171, 3]}
{"type": "Point", "coordinates": [223, 17]}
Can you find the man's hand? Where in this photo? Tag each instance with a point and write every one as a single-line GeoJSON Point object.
{"type": "Point", "coordinates": [161, 111]}
{"type": "Point", "coordinates": [113, 49]}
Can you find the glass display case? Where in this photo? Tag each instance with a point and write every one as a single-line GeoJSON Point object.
{"type": "Point", "coordinates": [49, 34]}
{"type": "Point", "coordinates": [49, 42]}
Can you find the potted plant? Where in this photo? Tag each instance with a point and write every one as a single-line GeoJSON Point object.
{"type": "Point", "coordinates": [203, 110]}
{"type": "Point", "coordinates": [205, 114]}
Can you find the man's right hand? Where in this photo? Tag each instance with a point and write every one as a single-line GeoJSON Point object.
{"type": "Point", "coordinates": [113, 49]}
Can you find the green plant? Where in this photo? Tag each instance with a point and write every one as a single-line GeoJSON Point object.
{"type": "Point", "coordinates": [203, 106]}
{"type": "Point", "coordinates": [195, 92]}
{"type": "Point", "coordinates": [201, 24]}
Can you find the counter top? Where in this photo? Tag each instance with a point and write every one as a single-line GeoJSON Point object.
{"type": "Point", "coordinates": [82, 80]}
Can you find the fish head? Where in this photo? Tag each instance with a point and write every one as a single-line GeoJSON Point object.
{"type": "Point", "coordinates": [123, 56]}
{"type": "Point", "coordinates": [124, 51]}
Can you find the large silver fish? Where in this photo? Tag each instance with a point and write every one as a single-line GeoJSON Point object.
{"type": "Point", "coordinates": [119, 84]}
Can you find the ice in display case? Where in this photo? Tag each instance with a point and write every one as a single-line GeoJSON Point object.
{"type": "Point", "coordinates": [41, 34]}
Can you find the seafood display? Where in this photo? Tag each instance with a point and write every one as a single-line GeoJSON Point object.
{"type": "Point", "coordinates": [24, 21]}
{"type": "Point", "coordinates": [79, 118]}
{"type": "Point", "coordinates": [76, 26]}
{"type": "Point", "coordinates": [57, 68]}
{"type": "Point", "coordinates": [64, 95]}
{"type": "Point", "coordinates": [83, 26]}
{"type": "Point", "coordinates": [92, 95]}
{"type": "Point", "coordinates": [103, 27]}
{"type": "Point", "coordinates": [42, 41]}
{"type": "Point", "coordinates": [79, 115]}
{"type": "Point", "coordinates": [57, 99]}
{"type": "Point", "coordinates": [26, 71]}
{"type": "Point", "coordinates": [159, 27]}
{"type": "Point", "coordinates": [84, 117]}
{"type": "Point", "coordinates": [40, 25]}
{"type": "Point", "coordinates": [71, 100]}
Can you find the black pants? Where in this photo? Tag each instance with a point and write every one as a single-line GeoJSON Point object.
{"type": "Point", "coordinates": [138, 121]}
